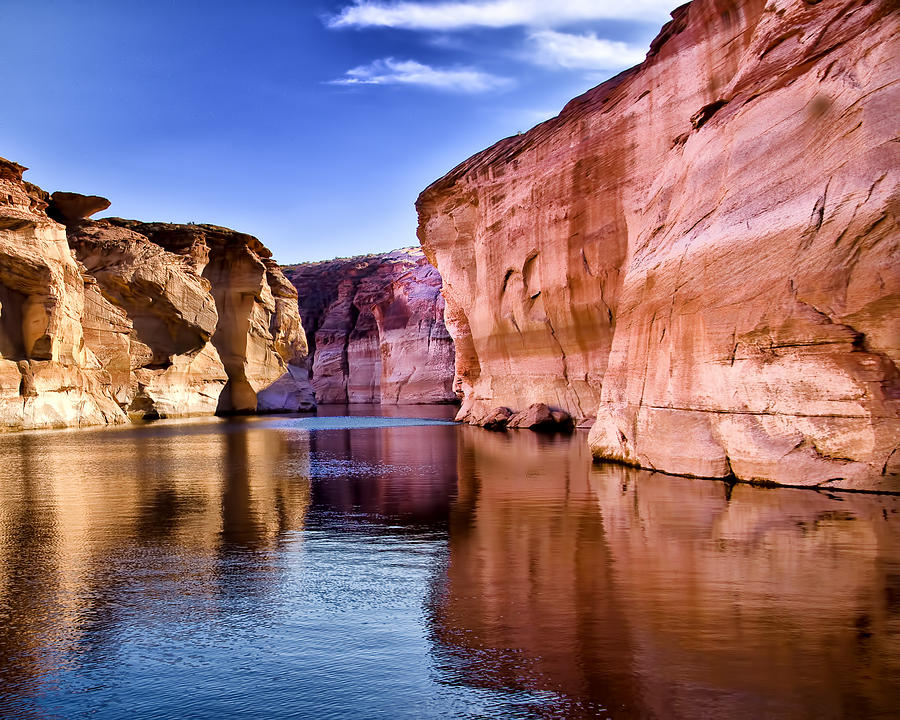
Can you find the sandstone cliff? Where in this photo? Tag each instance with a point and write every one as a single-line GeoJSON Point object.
{"type": "Point", "coordinates": [48, 377]}
{"type": "Point", "coordinates": [700, 251]}
{"type": "Point", "coordinates": [376, 329]}
{"type": "Point", "coordinates": [106, 319]}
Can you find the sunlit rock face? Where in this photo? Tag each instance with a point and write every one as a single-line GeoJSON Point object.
{"type": "Point", "coordinates": [701, 251]}
{"type": "Point", "coordinates": [100, 320]}
{"type": "Point", "coordinates": [376, 329]}
{"type": "Point", "coordinates": [218, 317]}
{"type": "Point", "coordinates": [48, 377]}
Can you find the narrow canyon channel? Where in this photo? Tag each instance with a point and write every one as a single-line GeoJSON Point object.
{"type": "Point", "coordinates": [371, 567]}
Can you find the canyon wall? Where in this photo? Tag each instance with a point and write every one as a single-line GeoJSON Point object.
{"type": "Point", "coordinates": [700, 252]}
{"type": "Point", "coordinates": [110, 319]}
{"type": "Point", "coordinates": [48, 376]}
{"type": "Point", "coordinates": [376, 329]}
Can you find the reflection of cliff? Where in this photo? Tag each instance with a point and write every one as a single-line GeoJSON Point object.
{"type": "Point", "coordinates": [786, 600]}
{"type": "Point", "coordinates": [389, 473]}
{"type": "Point", "coordinates": [528, 601]}
{"type": "Point", "coordinates": [654, 596]}
{"type": "Point", "coordinates": [77, 538]}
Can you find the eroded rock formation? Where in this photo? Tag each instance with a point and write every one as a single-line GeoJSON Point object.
{"type": "Point", "coordinates": [702, 251]}
{"type": "Point", "coordinates": [48, 377]}
{"type": "Point", "coordinates": [105, 319]}
{"type": "Point", "coordinates": [376, 329]}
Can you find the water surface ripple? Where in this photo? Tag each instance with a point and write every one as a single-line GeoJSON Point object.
{"type": "Point", "coordinates": [367, 567]}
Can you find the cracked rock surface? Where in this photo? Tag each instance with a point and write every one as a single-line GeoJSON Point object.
{"type": "Point", "coordinates": [701, 252]}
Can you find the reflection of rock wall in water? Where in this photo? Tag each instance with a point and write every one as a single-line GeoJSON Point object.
{"type": "Point", "coordinates": [701, 251]}
{"type": "Point", "coordinates": [547, 580]}
{"type": "Point", "coordinates": [376, 329]}
{"type": "Point", "coordinates": [664, 597]}
{"type": "Point", "coordinates": [184, 490]}
{"type": "Point", "coordinates": [104, 318]}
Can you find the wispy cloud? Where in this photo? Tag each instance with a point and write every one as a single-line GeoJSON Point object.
{"type": "Point", "coordinates": [389, 71]}
{"type": "Point", "coordinates": [587, 52]}
{"type": "Point", "coordinates": [460, 14]}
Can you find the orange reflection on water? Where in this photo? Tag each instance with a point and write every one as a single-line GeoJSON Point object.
{"type": "Point", "coordinates": [654, 596]}
{"type": "Point", "coordinates": [552, 587]}
{"type": "Point", "coordinates": [82, 513]}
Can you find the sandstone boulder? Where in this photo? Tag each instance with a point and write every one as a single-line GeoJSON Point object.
{"type": "Point", "coordinates": [540, 417]}
{"type": "Point", "coordinates": [496, 419]}
{"type": "Point", "coordinates": [69, 207]}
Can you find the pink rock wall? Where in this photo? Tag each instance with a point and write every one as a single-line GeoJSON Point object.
{"type": "Point", "coordinates": [700, 252]}
{"type": "Point", "coordinates": [376, 329]}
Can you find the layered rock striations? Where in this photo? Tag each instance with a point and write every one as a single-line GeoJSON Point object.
{"type": "Point", "coordinates": [700, 251]}
{"type": "Point", "coordinates": [102, 320]}
{"type": "Point", "coordinates": [217, 296]}
{"type": "Point", "coordinates": [376, 329]}
{"type": "Point", "coordinates": [48, 376]}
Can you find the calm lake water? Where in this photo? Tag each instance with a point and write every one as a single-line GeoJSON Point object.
{"type": "Point", "coordinates": [371, 568]}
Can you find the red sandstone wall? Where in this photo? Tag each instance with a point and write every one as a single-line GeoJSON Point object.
{"type": "Point", "coordinates": [700, 251]}
{"type": "Point", "coordinates": [376, 329]}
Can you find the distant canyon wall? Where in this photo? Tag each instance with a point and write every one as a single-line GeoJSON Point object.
{"type": "Point", "coordinates": [110, 319]}
{"type": "Point", "coordinates": [701, 252]}
{"type": "Point", "coordinates": [376, 329]}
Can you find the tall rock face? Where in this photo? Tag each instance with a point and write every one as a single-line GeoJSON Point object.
{"type": "Point", "coordinates": [376, 329]}
{"type": "Point", "coordinates": [48, 376]}
{"type": "Point", "coordinates": [700, 251]}
{"type": "Point", "coordinates": [110, 319]}
{"type": "Point", "coordinates": [218, 318]}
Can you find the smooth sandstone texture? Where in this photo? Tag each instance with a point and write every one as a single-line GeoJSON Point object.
{"type": "Point", "coordinates": [376, 329]}
{"type": "Point", "coordinates": [702, 251]}
{"type": "Point", "coordinates": [220, 320]}
{"type": "Point", "coordinates": [104, 320]}
{"type": "Point", "coordinates": [68, 207]}
{"type": "Point", "coordinates": [48, 376]}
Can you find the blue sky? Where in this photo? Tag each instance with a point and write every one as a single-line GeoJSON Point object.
{"type": "Point", "coordinates": [311, 124]}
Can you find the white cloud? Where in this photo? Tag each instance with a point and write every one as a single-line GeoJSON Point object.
{"type": "Point", "coordinates": [587, 52]}
{"type": "Point", "coordinates": [459, 14]}
{"type": "Point", "coordinates": [409, 72]}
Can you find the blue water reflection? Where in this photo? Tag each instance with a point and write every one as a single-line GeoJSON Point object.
{"type": "Point", "coordinates": [366, 567]}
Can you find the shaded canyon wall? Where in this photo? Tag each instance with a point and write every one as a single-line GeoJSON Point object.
{"type": "Point", "coordinates": [101, 320]}
{"type": "Point", "coordinates": [376, 329]}
{"type": "Point", "coordinates": [700, 252]}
